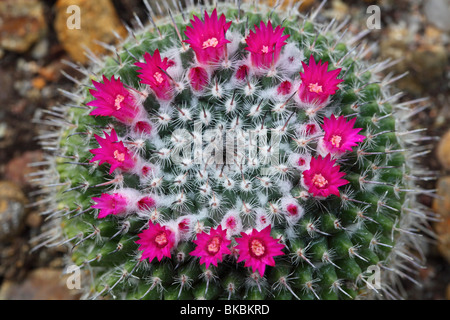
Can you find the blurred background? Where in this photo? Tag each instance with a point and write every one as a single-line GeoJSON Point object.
{"type": "Point", "coordinates": [35, 43]}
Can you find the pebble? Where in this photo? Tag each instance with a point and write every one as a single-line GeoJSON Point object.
{"type": "Point", "coordinates": [443, 151]}
{"type": "Point", "coordinates": [40, 284]}
{"type": "Point", "coordinates": [22, 24]}
{"type": "Point", "coordinates": [98, 22]}
{"type": "Point", "coordinates": [437, 13]}
{"type": "Point", "coordinates": [304, 6]}
{"type": "Point", "coordinates": [12, 209]}
{"type": "Point", "coordinates": [441, 205]}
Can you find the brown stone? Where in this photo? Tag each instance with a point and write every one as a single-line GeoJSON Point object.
{"type": "Point", "coordinates": [99, 21]}
{"type": "Point", "coordinates": [447, 292]}
{"type": "Point", "coordinates": [441, 203]}
{"type": "Point", "coordinates": [443, 232]}
{"type": "Point", "coordinates": [38, 83]}
{"type": "Point", "coordinates": [41, 284]}
{"type": "Point", "coordinates": [442, 206]}
{"type": "Point", "coordinates": [34, 220]}
{"type": "Point", "coordinates": [12, 209]}
{"type": "Point", "coordinates": [443, 151]}
{"type": "Point", "coordinates": [22, 24]}
{"type": "Point", "coordinates": [18, 169]}
{"type": "Point", "coordinates": [306, 4]}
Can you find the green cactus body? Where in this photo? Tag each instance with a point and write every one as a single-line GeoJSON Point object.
{"type": "Point", "coordinates": [255, 116]}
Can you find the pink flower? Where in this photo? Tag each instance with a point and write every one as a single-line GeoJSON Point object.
{"type": "Point", "coordinates": [340, 136]}
{"type": "Point", "coordinates": [211, 247]}
{"type": "Point", "coordinates": [242, 72]}
{"type": "Point", "coordinates": [284, 88]}
{"type": "Point", "coordinates": [318, 84]}
{"type": "Point", "coordinates": [114, 204]}
{"type": "Point", "coordinates": [265, 45]}
{"type": "Point", "coordinates": [292, 209]}
{"type": "Point", "coordinates": [232, 223]}
{"type": "Point", "coordinates": [113, 100]}
{"type": "Point", "coordinates": [154, 73]}
{"type": "Point", "coordinates": [311, 129]}
{"type": "Point", "coordinates": [198, 77]}
{"type": "Point", "coordinates": [207, 38]}
{"type": "Point", "coordinates": [156, 241]}
{"type": "Point", "coordinates": [143, 127]}
{"type": "Point", "coordinates": [146, 203]}
{"type": "Point", "coordinates": [323, 177]}
{"type": "Point", "coordinates": [258, 248]}
{"type": "Point", "coordinates": [113, 152]}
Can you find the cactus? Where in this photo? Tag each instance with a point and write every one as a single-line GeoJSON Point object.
{"type": "Point", "coordinates": [234, 152]}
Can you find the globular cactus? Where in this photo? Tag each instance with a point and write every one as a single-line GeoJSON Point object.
{"type": "Point", "coordinates": [235, 151]}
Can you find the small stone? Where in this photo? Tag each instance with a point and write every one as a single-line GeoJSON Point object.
{"type": "Point", "coordinates": [437, 13]}
{"type": "Point", "coordinates": [339, 10]}
{"type": "Point", "coordinates": [12, 209]}
{"type": "Point", "coordinates": [443, 151]}
{"type": "Point", "coordinates": [22, 24]}
{"type": "Point", "coordinates": [443, 232]}
{"type": "Point", "coordinates": [441, 205]}
{"type": "Point", "coordinates": [34, 220]}
{"type": "Point", "coordinates": [40, 50]}
{"type": "Point", "coordinates": [41, 284]}
{"type": "Point", "coordinates": [18, 169]}
{"type": "Point", "coordinates": [305, 5]}
{"type": "Point", "coordinates": [38, 83]}
{"type": "Point", "coordinates": [447, 292]}
{"type": "Point", "coordinates": [98, 22]}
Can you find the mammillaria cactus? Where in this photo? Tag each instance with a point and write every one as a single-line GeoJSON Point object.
{"type": "Point", "coordinates": [235, 151]}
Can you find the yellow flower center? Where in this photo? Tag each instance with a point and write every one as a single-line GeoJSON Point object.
{"type": "Point", "coordinates": [319, 180]}
{"type": "Point", "coordinates": [158, 77]}
{"type": "Point", "coordinates": [214, 245]}
{"type": "Point", "coordinates": [265, 49]}
{"type": "Point", "coordinates": [212, 42]}
{"type": "Point", "coordinates": [257, 247]}
{"type": "Point", "coordinates": [119, 156]}
{"type": "Point", "coordinates": [336, 141]}
{"type": "Point", "coordinates": [314, 87]}
{"type": "Point", "coordinates": [118, 101]}
{"type": "Point", "coordinates": [161, 239]}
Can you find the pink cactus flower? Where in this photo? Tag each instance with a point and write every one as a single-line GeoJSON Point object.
{"type": "Point", "coordinates": [198, 78]}
{"type": "Point", "coordinates": [318, 84]}
{"type": "Point", "coordinates": [265, 44]}
{"type": "Point", "coordinates": [211, 247]}
{"type": "Point", "coordinates": [340, 136]}
{"type": "Point", "coordinates": [154, 73]}
{"type": "Point", "coordinates": [207, 38]}
{"type": "Point", "coordinates": [284, 88]}
{"type": "Point", "coordinates": [258, 248]}
{"type": "Point", "coordinates": [112, 99]}
{"type": "Point", "coordinates": [113, 152]}
{"type": "Point", "coordinates": [143, 127]}
{"type": "Point", "coordinates": [242, 72]}
{"type": "Point", "coordinates": [110, 204]}
{"type": "Point", "coordinates": [323, 178]}
{"type": "Point", "coordinates": [146, 203]}
{"type": "Point", "coordinates": [156, 242]}
{"type": "Point", "coordinates": [292, 209]}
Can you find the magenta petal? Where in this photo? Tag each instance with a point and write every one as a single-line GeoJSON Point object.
{"type": "Point", "coordinates": [258, 248]}
{"type": "Point", "coordinates": [323, 178]}
{"type": "Point", "coordinates": [265, 44]}
{"type": "Point", "coordinates": [318, 84]}
{"type": "Point", "coordinates": [113, 152]}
